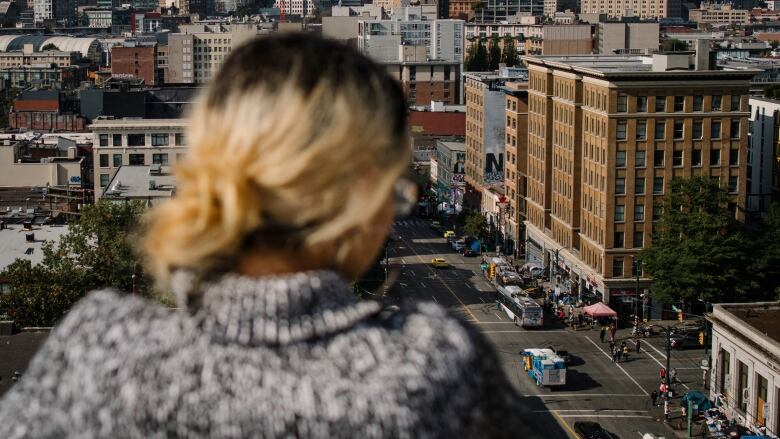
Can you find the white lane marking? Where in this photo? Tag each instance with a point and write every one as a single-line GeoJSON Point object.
{"type": "Point", "coordinates": [412, 273]}
{"type": "Point", "coordinates": [483, 300]}
{"type": "Point", "coordinates": [527, 331]}
{"type": "Point", "coordinates": [606, 416]}
{"type": "Point", "coordinates": [661, 364]}
{"type": "Point", "coordinates": [589, 395]}
{"type": "Point", "coordinates": [422, 284]}
{"type": "Point", "coordinates": [616, 364]}
{"type": "Point", "coordinates": [597, 411]}
{"type": "Point", "coordinates": [499, 317]}
{"type": "Point", "coordinates": [403, 261]}
{"type": "Point", "coordinates": [497, 323]}
{"type": "Point", "coordinates": [434, 299]}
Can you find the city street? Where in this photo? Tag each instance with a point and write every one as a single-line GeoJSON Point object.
{"type": "Point", "coordinates": [615, 395]}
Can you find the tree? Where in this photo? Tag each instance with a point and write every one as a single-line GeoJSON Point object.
{"type": "Point", "coordinates": [494, 53]}
{"type": "Point", "coordinates": [476, 225]}
{"type": "Point", "coordinates": [49, 46]}
{"type": "Point", "coordinates": [96, 252]}
{"type": "Point", "coordinates": [774, 43]}
{"type": "Point", "coordinates": [509, 55]}
{"type": "Point", "coordinates": [7, 97]}
{"type": "Point", "coordinates": [700, 249]}
{"type": "Point", "coordinates": [673, 45]}
{"type": "Point", "coordinates": [477, 57]}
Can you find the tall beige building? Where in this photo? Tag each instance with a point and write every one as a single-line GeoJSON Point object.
{"type": "Point", "coordinates": [632, 8]}
{"type": "Point", "coordinates": [606, 135]}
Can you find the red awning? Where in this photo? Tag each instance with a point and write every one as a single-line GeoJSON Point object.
{"type": "Point", "coordinates": [599, 310]}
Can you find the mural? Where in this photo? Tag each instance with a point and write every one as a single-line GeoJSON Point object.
{"type": "Point", "coordinates": [494, 168]}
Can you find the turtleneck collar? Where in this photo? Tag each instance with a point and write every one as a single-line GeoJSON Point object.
{"type": "Point", "coordinates": [279, 310]}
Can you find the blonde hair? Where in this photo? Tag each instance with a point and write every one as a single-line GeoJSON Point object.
{"type": "Point", "coordinates": [282, 147]}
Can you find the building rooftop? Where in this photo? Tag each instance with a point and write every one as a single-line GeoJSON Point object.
{"type": "Point", "coordinates": [453, 146]}
{"type": "Point", "coordinates": [137, 122]}
{"type": "Point", "coordinates": [14, 243]}
{"type": "Point", "coordinates": [762, 317]}
{"type": "Point", "coordinates": [141, 182]}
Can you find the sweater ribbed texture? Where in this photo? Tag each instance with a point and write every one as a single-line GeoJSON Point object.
{"type": "Point", "coordinates": [284, 356]}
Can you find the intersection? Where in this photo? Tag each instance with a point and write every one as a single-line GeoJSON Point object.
{"type": "Point", "coordinates": [615, 395]}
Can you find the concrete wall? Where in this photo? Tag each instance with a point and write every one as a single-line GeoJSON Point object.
{"type": "Point", "coordinates": [637, 37]}
{"type": "Point", "coordinates": [340, 28]}
{"type": "Point", "coordinates": [34, 174]}
{"type": "Point", "coordinates": [567, 40]}
{"type": "Point", "coordinates": [763, 139]}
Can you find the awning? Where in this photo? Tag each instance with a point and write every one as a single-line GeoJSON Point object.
{"type": "Point", "coordinates": [599, 310]}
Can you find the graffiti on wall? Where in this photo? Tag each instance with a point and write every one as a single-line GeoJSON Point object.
{"type": "Point", "coordinates": [494, 168]}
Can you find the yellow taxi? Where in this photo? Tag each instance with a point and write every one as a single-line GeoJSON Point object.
{"type": "Point", "coordinates": [439, 263]}
{"type": "Point", "coordinates": [449, 234]}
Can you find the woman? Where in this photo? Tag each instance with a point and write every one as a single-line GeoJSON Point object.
{"type": "Point", "coordinates": [292, 181]}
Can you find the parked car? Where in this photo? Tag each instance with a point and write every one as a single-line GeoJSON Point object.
{"type": "Point", "coordinates": [439, 263]}
{"type": "Point", "coordinates": [591, 430]}
{"type": "Point", "coordinates": [683, 340]}
{"type": "Point", "coordinates": [458, 246]}
{"type": "Point", "coordinates": [469, 253]}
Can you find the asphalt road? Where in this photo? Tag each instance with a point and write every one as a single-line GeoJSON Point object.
{"type": "Point", "coordinates": [615, 395]}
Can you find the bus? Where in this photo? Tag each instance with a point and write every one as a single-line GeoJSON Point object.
{"type": "Point", "coordinates": [523, 310]}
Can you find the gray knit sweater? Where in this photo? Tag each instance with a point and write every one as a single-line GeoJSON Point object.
{"type": "Point", "coordinates": [287, 356]}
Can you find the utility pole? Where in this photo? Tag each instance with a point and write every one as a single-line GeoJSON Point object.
{"type": "Point", "coordinates": [638, 270]}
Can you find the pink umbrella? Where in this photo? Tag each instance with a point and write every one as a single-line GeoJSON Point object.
{"type": "Point", "coordinates": [599, 310]}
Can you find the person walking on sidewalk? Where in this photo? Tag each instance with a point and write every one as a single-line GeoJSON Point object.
{"type": "Point", "coordinates": [602, 333]}
{"type": "Point", "coordinates": [618, 353]}
{"type": "Point", "coordinates": [638, 343]}
{"type": "Point", "coordinates": [654, 397]}
{"type": "Point", "coordinates": [614, 355]}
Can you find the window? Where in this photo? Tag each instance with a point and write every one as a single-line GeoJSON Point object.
{"type": "Point", "coordinates": [136, 140]}
{"type": "Point", "coordinates": [658, 210]}
{"type": "Point", "coordinates": [658, 185]}
{"type": "Point", "coordinates": [137, 160]}
{"type": "Point", "coordinates": [640, 159]}
{"type": "Point", "coordinates": [639, 239]}
{"type": "Point", "coordinates": [678, 129]}
{"type": "Point", "coordinates": [103, 139]}
{"type": "Point", "coordinates": [159, 139]}
{"type": "Point", "coordinates": [660, 104]}
{"type": "Point", "coordinates": [641, 130]}
{"type": "Point", "coordinates": [724, 380]}
{"type": "Point", "coordinates": [103, 180]}
{"type": "Point", "coordinates": [117, 159]}
{"type": "Point", "coordinates": [103, 160]}
{"type": "Point", "coordinates": [620, 213]}
{"type": "Point", "coordinates": [620, 159]}
{"type": "Point", "coordinates": [679, 103]}
{"type": "Point", "coordinates": [639, 212]}
{"type": "Point", "coordinates": [742, 402]}
{"type": "Point", "coordinates": [620, 186]}
{"type": "Point", "coordinates": [698, 103]}
{"type": "Point", "coordinates": [621, 130]}
{"type": "Point", "coordinates": [179, 139]}
{"type": "Point", "coordinates": [641, 104]}
{"type": "Point", "coordinates": [619, 242]}
{"type": "Point", "coordinates": [716, 103]}
{"type": "Point", "coordinates": [715, 157]}
{"type": "Point", "coordinates": [617, 266]}
{"type": "Point", "coordinates": [734, 157]}
{"type": "Point", "coordinates": [733, 184]}
{"type": "Point", "coordinates": [658, 158]}
{"type": "Point", "coordinates": [696, 157]}
{"type": "Point", "coordinates": [697, 129]}
{"type": "Point", "coordinates": [734, 128]}
{"type": "Point", "coordinates": [677, 158]}
{"type": "Point", "coordinates": [160, 159]}
{"type": "Point", "coordinates": [117, 140]}
{"type": "Point", "coordinates": [622, 103]}
{"type": "Point", "coordinates": [734, 102]}
{"type": "Point", "coordinates": [639, 186]}
{"type": "Point", "coordinates": [660, 129]}
{"type": "Point", "coordinates": [715, 129]}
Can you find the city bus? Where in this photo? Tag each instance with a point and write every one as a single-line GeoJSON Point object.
{"type": "Point", "coordinates": [523, 310]}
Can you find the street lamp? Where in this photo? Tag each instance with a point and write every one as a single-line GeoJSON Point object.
{"type": "Point", "coordinates": [637, 271]}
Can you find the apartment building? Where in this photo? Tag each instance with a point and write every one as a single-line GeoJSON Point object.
{"type": "Point", "coordinates": [425, 81]}
{"type": "Point", "coordinates": [628, 38]}
{"type": "Point", "coordinates": [515, 159]}
{"type": "Point", "coordinates": [763, 155]}
{"type": "Point", "coordinates": [485, 137]}
{"type": "Point", "coordinates": [606, 135]}
{"type": "Point", "coordinates": [531, 37]}
{"type": "Point", "coordinates": [28, 56]}
{"type": "Point", "coordinates": [136, 60]}
{"type": "Point", "coordinates": [716, 13]}
{"type": "Point", "coordinates": [134, 142]}
{"type": "Point", "coordinates": [63, 11]}
{"type": "Point", "coordinates": [646, 9]}
{"type": "Point", "coordinates": [197, 52]}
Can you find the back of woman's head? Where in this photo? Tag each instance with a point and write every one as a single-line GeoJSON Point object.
{"type": "Point", "coordinates": [297, 141]}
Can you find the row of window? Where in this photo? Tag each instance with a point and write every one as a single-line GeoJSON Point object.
{"type": "Point", "coordinates": [139, 139]}
{"type": "Point", "coordinates": [658, 185]}
{"type": "Point", "coordinates": [678, 131]}
{"type": "Point", "coordinates": [639, 212]}
{"type": "Point", "coordinates": [678, 103]}
{"type": "Point", "coordinates": [678, 158]}
{"type": "Point", "coordinates": [133, 159]}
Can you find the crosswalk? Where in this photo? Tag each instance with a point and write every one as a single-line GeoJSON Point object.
{"type": "Point", "coordinates": [409, 223]}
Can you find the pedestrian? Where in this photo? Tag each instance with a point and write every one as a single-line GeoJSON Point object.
{"type": "Point", "coordinates": [663, 373]}
{"type": "Point", "coordinates": [625, 352]}
{"type": "Point", "coordinates": [684, 411]}
{"type": "Point", "coordinates": [638, 343]}
{"type": "Point", "coordinates": [580, 319]}
{"type": "Point", "coordinates": [673, 376]}
{"type": "Point", "coordinates": [618, 353]}
{"type": "Point", "coordinates": [498, 304]}
{"type": "Point", "coordinates": [614, 355]}
{"type": "Point", "coordinates": [654, 397]}
{"type": "Point", "coordinates": [611, 346]}
{"type": "Point", "coordinates": [602, 333]}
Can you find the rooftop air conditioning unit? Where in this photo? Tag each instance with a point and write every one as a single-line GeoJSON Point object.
{"type": "Point", "coordinates": [29, 237]}
{"type": "Point", "coordinates": [152, 185]}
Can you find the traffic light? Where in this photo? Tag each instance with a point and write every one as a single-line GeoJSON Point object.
{"type": "Point", "coordinates": [701, 338]}
{"type": "Point", "coordinates": [492, 271]}
{"type": "Point", "coordinates": [681, 316]}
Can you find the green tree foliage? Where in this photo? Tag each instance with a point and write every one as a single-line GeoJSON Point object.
{"type": "Point", "coordinates": [476, 225]}
{"type": "Point", "coordinates": [477, 57]}
{"type": "Point", "coordinates": [673, 45]}
{"type": "Point", "coordinates": [700, 251]}
{"type": "Point", "coordinates": [509, 55]}
{"type": "Point", "coordinates": [494, 53]}
{"type": "Point", "coordinates": [7, 97]}
{"type": "Point", "coordinates": [49, 46]}
{"type": "Point", "coordinates": [96, 252]}
{"type": "Point", "coordinates": [764, 269]}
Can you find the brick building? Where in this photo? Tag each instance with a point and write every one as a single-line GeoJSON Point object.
{"type": "Point", "coordinates": [137, 61]}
